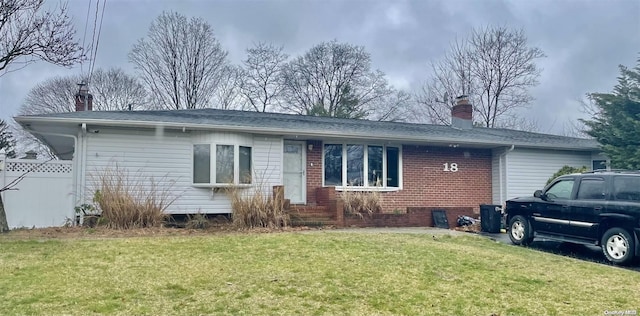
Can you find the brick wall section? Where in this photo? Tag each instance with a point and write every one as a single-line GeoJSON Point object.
{"type": "Point", "coordinates": [314, 171]}
{"type": "Point", "coordinates": [333, 214]}
{"type": "Point", "coordinates": [415, 217]}
{"type": "Point", "coordinates": [304, 211]}
{"type": "Point", "coordinates": [425, 183]}
{"type": "Point", "coordinates": [325, 195]}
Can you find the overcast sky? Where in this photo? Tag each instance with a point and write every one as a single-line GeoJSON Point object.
{"type": "Point", "coordinates": [584, 41]}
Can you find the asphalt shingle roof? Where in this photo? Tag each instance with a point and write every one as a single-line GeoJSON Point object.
{"type": "Point", "coordinates": [322, 126]}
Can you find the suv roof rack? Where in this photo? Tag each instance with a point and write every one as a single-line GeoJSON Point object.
{"type": "Point", "coordinates": [613, 171]}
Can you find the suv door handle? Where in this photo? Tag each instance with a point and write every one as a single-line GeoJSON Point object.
{"type": "Point", "coordinates": [597, 208]}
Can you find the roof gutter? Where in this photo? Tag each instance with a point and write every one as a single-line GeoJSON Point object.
{"type": "Point", "coordinates": [181, 126]}
{"type": "Point", "coordinates": [23, 120]}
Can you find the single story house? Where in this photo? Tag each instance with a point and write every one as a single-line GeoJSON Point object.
{"type": "Point", "coordinates": [411, 165]}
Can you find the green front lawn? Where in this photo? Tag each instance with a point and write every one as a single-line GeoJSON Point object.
{"type": "Point", "coordinates": [295, 273]}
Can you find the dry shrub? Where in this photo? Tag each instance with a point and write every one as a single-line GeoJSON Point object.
{"type": "Point", "coordinates": [131, 201]}
{"type": "Point", "coordinates": [253, 208]}
{"type": "Point", "coordinates": [197, 221]}
{"type": "Point", "coordinates": [361, 203]}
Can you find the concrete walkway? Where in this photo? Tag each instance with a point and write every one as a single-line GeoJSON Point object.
{"type": "Point", "coordinates": [399, 230]}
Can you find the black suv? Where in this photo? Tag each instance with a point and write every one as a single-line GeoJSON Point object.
{"type": "Point", "coordinates": [599, 208]}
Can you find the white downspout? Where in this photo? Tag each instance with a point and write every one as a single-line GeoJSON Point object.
{"type": "Point", "coordinates": [82, 164]}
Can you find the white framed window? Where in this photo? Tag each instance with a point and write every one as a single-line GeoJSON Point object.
{"type": "Point", "coordinates": [357, 166]}
{"type": "Point", "coordinates": [222, 165]}
{"type": "Point", "coordinates": [598, 164]}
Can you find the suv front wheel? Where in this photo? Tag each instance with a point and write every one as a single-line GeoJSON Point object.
{"type": "Point", "coordinates": [618, 245]}
{"type": "Point", "coordinates": [520, 230]}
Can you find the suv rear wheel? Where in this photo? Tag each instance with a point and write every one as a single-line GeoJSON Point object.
{"type": "Point", "coordinates": [520, 230]}
{"type": "Point", "coordinates": [618, 245]}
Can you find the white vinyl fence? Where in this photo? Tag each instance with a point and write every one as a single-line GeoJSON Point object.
{"type": "Point", "coordinates": [43, 198]}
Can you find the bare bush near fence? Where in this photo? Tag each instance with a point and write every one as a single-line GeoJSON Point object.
{"type": "Point", "coordinates": [132, 200]}
{"type": "Point", "coordinates": [362, 203]}
{"type": "Point", "coordinates": [253, 208]}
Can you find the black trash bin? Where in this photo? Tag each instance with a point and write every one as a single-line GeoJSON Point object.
{"type": "Point", "coordinates": [490, 218]}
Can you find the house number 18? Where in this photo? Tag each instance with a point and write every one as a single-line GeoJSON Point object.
{"type": "Point", "coordinates": [450, 167]}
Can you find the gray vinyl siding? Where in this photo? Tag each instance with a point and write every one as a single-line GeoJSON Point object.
{"type": "Point", "coordinates": [528, 170]}
{"type": "Point", "coordinates": [168, 159]}
{"type": "Point", "coordinates": [267, 160]}
{"type": "Point", "coordinates": [498, 176]}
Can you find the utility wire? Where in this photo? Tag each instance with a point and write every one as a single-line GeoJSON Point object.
{"type": "Point", "coordinates": [84, 37]}
{"type": "Point", "coordinates": [104, 3]}
{"type": "Point", "coordinates": [93, 38]}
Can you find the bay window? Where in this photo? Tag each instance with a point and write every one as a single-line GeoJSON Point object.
{"type": "Point", "coordinates": [245, 165]}
{"type": "Point", "coordinates": [228, 165]}
{"type": "Point", "coordinates": [201, 163]}
{"type": "Point", "coordinates": [359, 165]}
{"type": "Point", "coordinates": [224, 164]}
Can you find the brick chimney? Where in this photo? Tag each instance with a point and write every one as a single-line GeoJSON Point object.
{"type": "Point", "coordinates": [462, 113]}
{"type": "Point", "coordinates": [82, 95]}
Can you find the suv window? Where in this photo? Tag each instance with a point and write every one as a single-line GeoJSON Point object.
{"type": "Point", "coordinates": [561, 189]}
{"type": "Point", "coordinates": [591, 189]}
{"type": "Point", "coordinates": [626, 188]}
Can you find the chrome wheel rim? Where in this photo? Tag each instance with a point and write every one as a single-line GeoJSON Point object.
{"type": "Point", "coordinates": [617, 247]}
{"type": "Point", "coordinates": [517, 230]}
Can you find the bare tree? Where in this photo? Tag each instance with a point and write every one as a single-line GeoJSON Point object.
{"type": "Point", "coordinates": [333, 79]}
{"type": "Point", "coordinates": [7, 141]}
{"type": "Point", "coordinates": [263, 81]}
{"type": "Point", "coordinates": [494, 66]}
{"type": "Point", "coordinates": [577, 128]}
{"type": "Point", "coordinates": [112, 89]}
{"type": "Point", "coordinates": [54, 95]}
{"type": "Point", "coordinates": [29, 33]}
{"type": "Point", "coordinates": [228, 94]}
{"type": "Point", "coordinates": [515, 121]}
{"type": "Point", "coordinates": [26, 142]}
{"type": "Point", "coordinates": [395, 107]}
{"type": "Point", "coordinates": [180, 61]}
{"type": "Point", "coordinates": [450, 77]}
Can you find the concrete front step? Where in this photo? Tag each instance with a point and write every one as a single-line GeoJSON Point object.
{"type": "Point", "coordinates": [311, 215]}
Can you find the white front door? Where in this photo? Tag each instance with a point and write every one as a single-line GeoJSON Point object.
{"type": "Point", "coordinates": [295, 174]}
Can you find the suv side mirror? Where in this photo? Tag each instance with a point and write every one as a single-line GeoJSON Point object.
{"type": "Point", "coordinates": [538, 194]}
